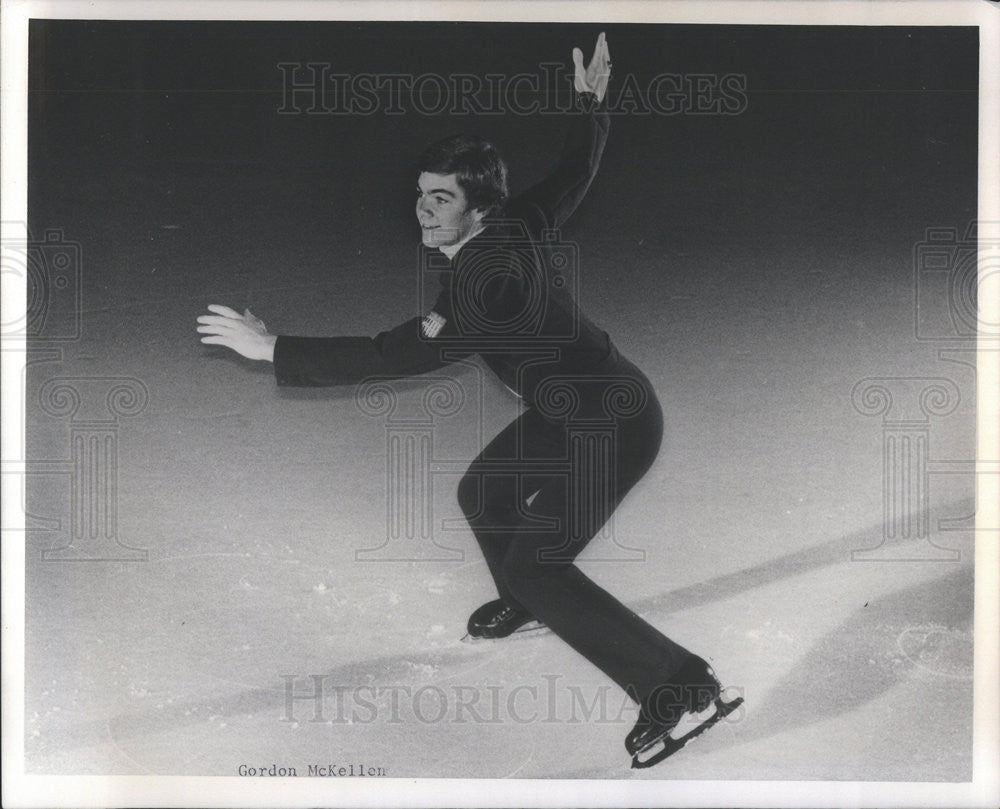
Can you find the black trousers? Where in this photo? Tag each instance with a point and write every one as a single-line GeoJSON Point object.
{"type": "Point", "coordinates": [544, 487]}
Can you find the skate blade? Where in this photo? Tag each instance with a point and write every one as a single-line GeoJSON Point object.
{"type": "Point", "coordinates": [529, 630]}
{"type": "Point", "coordinates": [690, 722]}
{"type": "Point", "coordinates": [689, 728]}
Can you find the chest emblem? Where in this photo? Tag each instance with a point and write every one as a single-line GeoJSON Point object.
{"type": "Point", "coordinates": [432, 324]}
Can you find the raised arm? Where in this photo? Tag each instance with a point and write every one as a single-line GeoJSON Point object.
{"type": "Point", "coordinates": [551, 202]}
{"type": "Point", "coordinates": [594, 77]}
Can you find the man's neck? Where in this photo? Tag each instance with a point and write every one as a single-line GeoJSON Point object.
{"type": "Point", "coordinates": [451, 249]}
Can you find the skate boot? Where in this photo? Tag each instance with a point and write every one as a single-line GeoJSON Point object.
{"type": "Point", "coordinates": [496, 620]}
{"type": "Point", "coordinates": [692, 695]}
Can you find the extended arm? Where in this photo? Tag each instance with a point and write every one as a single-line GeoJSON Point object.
{"type": "Point", "coordinates": [551, 202]}
{"type": "Point", "coordinates": [320, 361]}
{"type": "Point", "coordinates": [317, 361]}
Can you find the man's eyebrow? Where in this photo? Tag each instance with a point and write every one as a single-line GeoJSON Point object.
{"type": "Point", "coordinates": [436, 191]}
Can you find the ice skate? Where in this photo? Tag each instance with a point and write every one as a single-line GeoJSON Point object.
{"type": "Point", "coordinates": [677, 712]}
{"type": "Point", "coordinates": [496, 620]}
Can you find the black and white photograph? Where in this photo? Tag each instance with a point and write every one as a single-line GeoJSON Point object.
{"type": "Point", "coordinates": [501, 404]}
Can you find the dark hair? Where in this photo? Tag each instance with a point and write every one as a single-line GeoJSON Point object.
{"type": "Point", "coordinates": [477, 166]}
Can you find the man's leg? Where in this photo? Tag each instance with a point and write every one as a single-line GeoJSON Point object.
{"type": "Point", "coordinates": [619, 642]}
{"type": "Point", "coordinates": [491, 495]}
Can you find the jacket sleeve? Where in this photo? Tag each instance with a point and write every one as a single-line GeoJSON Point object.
{"type": "Point", "coordinates": [323, 361]}
{"type": "Point", "coordinates": [551, 202]}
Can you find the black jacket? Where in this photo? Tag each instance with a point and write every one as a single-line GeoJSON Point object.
{"type": "Point", "coordinates": [508, 295]}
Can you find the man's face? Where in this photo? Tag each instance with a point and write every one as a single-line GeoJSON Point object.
{"type": "Point", "coordinates": [443, 211]}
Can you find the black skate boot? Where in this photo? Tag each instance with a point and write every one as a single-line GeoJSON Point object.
{"type": "Point", "coordinates": [496, 620]}
{"type": "Point", "coordinates": [695, 690]}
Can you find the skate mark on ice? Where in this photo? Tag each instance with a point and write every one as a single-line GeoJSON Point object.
{"type": "Point", "coordinates": [528, 759]}
{"type": "Point", "coordinates": [863, 659]}
{"type": "Point", "coordinates": [125, 754]}
{"type": "Point", "coordinates": [943, 651]}
{"type": "Point", "coordinates": [393, 669]}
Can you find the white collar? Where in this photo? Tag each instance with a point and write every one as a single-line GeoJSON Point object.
{"type": "Point", "coordinates": [451, 249]}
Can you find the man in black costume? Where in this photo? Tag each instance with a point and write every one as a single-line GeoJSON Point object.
{"type": "Point", "coordinates": [499, 299]}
